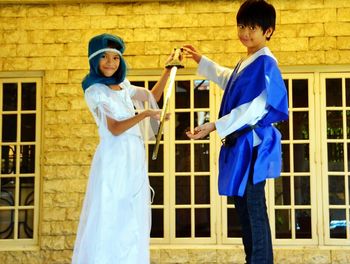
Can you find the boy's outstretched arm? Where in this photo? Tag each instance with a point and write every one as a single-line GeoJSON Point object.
{"type": "Point", "coordinates": [191, 52]}
{"type": "Point", "coordinates": [201, 131]}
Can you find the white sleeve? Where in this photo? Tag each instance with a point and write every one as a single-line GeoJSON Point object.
{"type": "Point", "coordinates": [214, 72]}
{"type": "Point", "coordinates": [246, 114]}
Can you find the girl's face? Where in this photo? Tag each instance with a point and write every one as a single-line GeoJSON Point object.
{"type": "Point", "coordinates": [253, 37]}
{"type": "Point", "coordinates": [109, 63]}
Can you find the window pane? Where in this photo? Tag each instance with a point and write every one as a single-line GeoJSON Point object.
{"type": "Point", "coordinates": [336, 189]}
{"type": "Point", "coordinates": [182, 123]}
{"type": "Point", "coordinates": [27, 159]}
{"type": "Point", "coordinates": [183, 189]}
{"type": "Point", "coordinates": [182, 96]}
{"type": "Point", "coordinates": [7, 191]}
{"type": "Point", "coordinates": [301, 125]}
{"type": "Point", "coordinates": [201, 155]}
{"type": "Point", "coordinates": [201, 93]}
{"type": "Point", "coordinates": [334, 124]}
{"type": "Point", "coordinates": [155, 165]}
{"type": "Point", "coordinates": [26, 191]}
{"type": "Point", "coordinates": [183, 222]}
{"type": "Point", "coordinates": [28, 96]}
{"type": "Point", "coordinates": [200, 118]}
{"type": "Point", "coordinates": [347, 87]}
{"type": "Point", "coordinates": [202, 222]}
{"type": "Point", "coordinates": [6, 224]}
{"type": "Point", "coordinates": [335, 157]}
{"type": "Point", "coordinates": [283, 223]}
{"type": "Point", "coordinates": [282, 190]}
{"type": "Point", "coordinates": [337, 223]}
{"type": "Point", "coordinates": [333, 92]}
{"type": "Point", "coordinates": [9, 97]}
{"type": "Point", "coordinates": [234, 227]}
{"type": "Point", "coordinates": [157, 183]}
{"type": "Point", "coordinates": [27, 127]}
{"type": "Point", "coordinates": [300, 93]}
{"type": "Point", "coordinates": [9, 128]}
{"type": "Point", "coordinates": [157, 223]}
{"type": "Point", "coordinates": [202, 189]}
{"type": "Point", "coordinates": [283, 127]}
{"type": "Point", "coordinates": [285, 158]}
{"type": "Point", "coordinates": [302, 190]}
{"type": "Point", "coordinates": [25, 223]}
{"type": "Point", "coordinates": [301, 158]}
{"type": "Point", "coordinates": [303, 223]}
{"type": "Point", "coordinates": [183, 157]}
{"type": "Point", "coordinates": [8, 159]}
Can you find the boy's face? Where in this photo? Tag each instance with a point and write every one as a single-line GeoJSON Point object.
{"type": "Point", "coordinates": [109, 63]}
{"type": "Point", "coordinates": [253, 37]}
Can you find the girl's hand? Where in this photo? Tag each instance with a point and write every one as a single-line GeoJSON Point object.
{"type": "Point", "coordinates": [201, 131]}
{"type": "Point", "coordinates": [191, 52]}
{"type": "Point", "coordinates": [155, 114]}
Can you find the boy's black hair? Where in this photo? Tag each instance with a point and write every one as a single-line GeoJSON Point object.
{"type": "Point", "coordinates": [257, 13]}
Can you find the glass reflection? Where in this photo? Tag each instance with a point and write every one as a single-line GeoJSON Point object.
{"type": "Point", "coordinates": [8, 159]}
{"type": "Point", "coordinates": [283, 223]}
{"type": "Point", "coordinates": [300, 93]}
{"type": "Point", "coordinates": [337, 223]}
{"type": "Point", "coordinates": [301, 125]}
{"type": "Point", "coordinates": [28, 96]}
{"type": "Point", "coordinates": [302, 190]}
{"type": "Point", "coordinates": [183, 222]}
{"type": "Point", "coordinates": [7, 224]}
{"type": "Point", "coordinates": [202, 189]}
{"type": "Point", "coordinates": [155, 165]}
{"type": "Point", "coordinates": [282, 190]}
{"type": "Point", "coordinates": [27, 159]}
{"type": "Point", "coordinates": [182, 94]}
{"type": "Point", "coordinates": [7, 191]}
{"type": "Point", "coordinates": [334, 92]}
{"type": "Point", "coordinates": [201, 93]}
{"type": "Point", "coordinates": [201, 157]}
{"type": "Point", "coordinates": [157, 183]}
{"type": "Point", "coordinates": [183, 189]}
{"type": "Point", "coordinates": [335, 156]}
{"type": "Point", "coordinates": [157, 223]}
{"type": "Point", "coordinates": [334, 124]}
{"type": "Point", "coordinates": [182, 124]}
{"type": "Point", "coordinates": [27, 127]}
{"type": "Point", "coordinates": [336, 189]}
{"type": "Point", "coordinates": [26, 191]}
{"type": "Point", "coordinates": [301, 158]}
{"type": "Point", "coordinates": [9, 128]}
{"type": "Point", "coordinates": [25, 223]}
{"type": "Point", "coordinates": [9, 97]}
{"type": "Point", "coordinates": [183, 157]}
{"type": "Point", "coordinates": [285, 158]}
{"type": "Point", "coordinates": [283, 127]}
{"type": "Point", "coordinates": [303, 223]}
{"type": "Point", "coordinates": [202, 222]}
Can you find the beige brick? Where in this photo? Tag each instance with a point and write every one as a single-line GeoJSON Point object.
{"type": "Point", "coordinates": [63, 200]}
{"type": "Point", "coordinates": [337, 29]}
{"type": "Point", "coordinates": [76, 76]}
{"type": "Point", "coordinates": [202, 255]}
{"type": "Point", "coordinates": [134, 48]}
{"type": "Point", "coordinates": [66, 9]}
{"type": "Point", "coordinates": [286, 58]}
{"type": "Point", "coordinates": [50, 117]}
{"type": "Point", "coordinates": [343, 43]}
{"type": "Point", "coordinates": [41, 63]}
{"type": "Point", "coordinates": [145, 34]}
{"type": "Point", "coordinates": [312, 30]}
{"type": "Point", "coordinates": [76, 22]}
{"type": "Point", "coordinates": [336, 3]}
{"type": "Point", "coordinates": [159, 21]}
{"type": "Point", "coordinates": [40, 11]}
{"type": "Point", "coordinates": [186, 20]}
{"type": "Point", "coordinates": [176, 34]}
{"type": "Point", "coordinates": [155, 256]}
{"type": "Point", "coordinates": [343, 14]}
{"type": "Point", "coordinates": [67, 36]}
{"type": "Point", "coordinates": [289, 256]}
{"type": "Point", "coordinates": [53, 214]}
{"type": "Point", "coordinates": [105, 22]}
{"type": "Point", "coordinates": [69, 90]}
{"type": "Point", "coordinates": [56, 76]}
{"type": "Point", "coordinates": [65, 186]}
{"type": "Point", "coordinates": [298, 4]}
{"type": "Point", "coordinates": [212, 46]}
{"type": "Point", "coordinates": [39, 50]}
{"type": "Point", "coordinates": [8, 23]}
{"type": "Point", "coordinates": [63, 228]}
{"type": "Point", "coordinates": [59, 257]}
{"type": "Point", "coordinates": [57, 103]}
{"type": "Point", "coordinates": [146, 7]}
{"type": "Point", "coordinates": [119, 9]}
{"type": "Point", "coordinates": [158, 47]}
{"type": "Point", "coordinates": [232, 256]}
{"type": "Point", "coordinates": [294, 16]}
{"type": "Point", "coordinates": [172, 7]}
{"type": "Point", "coordinates": [93, 9]}
{"type": "Point", "coordinates": [71, 63]}
{"type": "Point", "coordinates": [70, 239]}
{"type": "Point", "coordinates": [315, 256]}
{"type": "Point", "coordinates": [73, 214]}
{"type": "Point", "coordinates": [225, 33]}
{"type": "Point", "coordinates": [77, 103]}
{"type": "Point", "coordinates": [15, 64]}
{"type": "Point", "coordinates": [53, 242]}
{"type": "Point", "coordinates": [294, 44]}
{"type": "Point", "coordinates": [127, 34]}
{"type": "Point", "coordinates": [203, 33]}
{"type": "Point", "coordinates": [174, 256]}
{"type": "Point", "coordinates": [132, 21]}
{"type": "Point", "coordinates": [211, 20]}
{"type": "Point", "coordinates": [232, 46]}
{"type": "Point", "coordinates": [340, 256]}
{"type": "Point", "coordinates": [13, 11]}
{"type": "Point", "coordinates": [8, 50]}
{"type": "Point", "coordinates": [322, 15]}
{"type": "Point", "coordinates": [323, 43]}
{"type": "Point", "coordinates": [337, 57]}
{"type": "Point", "coordinates": [42, 23]}
{"type": "Point", "coordinates": [310, 57]}
{"type": "Point", "coordinates": [49, 90]}
{"type": "Point", "coordinates": [41, 36]}
{"type": "Point", "coordinates": [14, 37]}
{"type": "Point", "coordinates": [230, 19]}
{"type": "Point", "coordinates": [211, 6]}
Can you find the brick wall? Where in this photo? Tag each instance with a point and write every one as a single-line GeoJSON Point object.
{"type": "Point", "coordinates": [53, 38]}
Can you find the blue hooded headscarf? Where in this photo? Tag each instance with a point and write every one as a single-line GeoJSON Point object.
{"type": "Point", "coordinates": [97, 47]}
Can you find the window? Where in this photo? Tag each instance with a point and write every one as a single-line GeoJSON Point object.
{"type": "Point", "coordinates": [20, 147]}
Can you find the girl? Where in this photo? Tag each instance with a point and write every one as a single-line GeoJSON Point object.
{"type": "Point", "coordinates": [114, 224]}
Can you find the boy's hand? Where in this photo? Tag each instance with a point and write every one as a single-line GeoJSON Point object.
{"type": "Point", "coordinates": [201, 131]}
{"type": "Point", "coordinates": [191, 52]}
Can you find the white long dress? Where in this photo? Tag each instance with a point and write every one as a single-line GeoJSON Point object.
{"type": "Point", "coordinates": [114, 225]}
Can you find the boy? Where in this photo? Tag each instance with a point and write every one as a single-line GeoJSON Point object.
{"type": "Point", "coordinates": [255, 97]}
